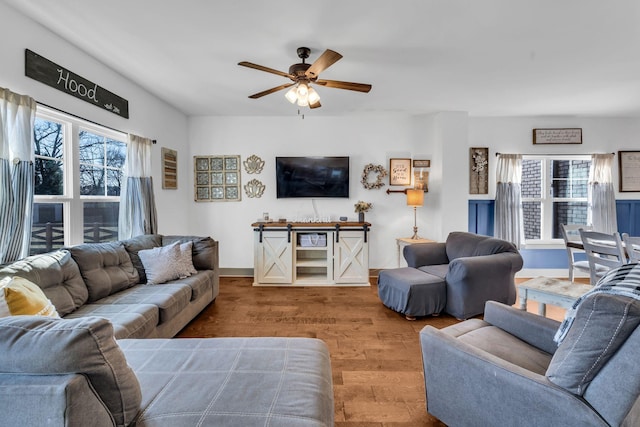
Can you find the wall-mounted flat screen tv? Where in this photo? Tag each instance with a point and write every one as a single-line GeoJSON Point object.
{"type": "Point", "coordinates": [312, 177]}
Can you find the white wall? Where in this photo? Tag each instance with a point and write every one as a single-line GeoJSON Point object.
{"type": "Point", "coordinates": [514, 135]}
{"type": "Point", "coordinates": [149, 116]}
{"type": "Point", "coordinates": [370, 139]}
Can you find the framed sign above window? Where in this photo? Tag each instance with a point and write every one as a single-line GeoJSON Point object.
{"type": "Point", "coordinates": [557, 136]}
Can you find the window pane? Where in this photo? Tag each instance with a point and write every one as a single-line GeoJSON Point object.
{"type": "Point", "coordinates": [91, 148]}
{"type": "Point", "coordinates": [568, 213]}
{"type": "Point", "coordinates": [91, 181]}
{"type": "Point", "coordinates": [47, 231]}
{"type": "Point", "coordinates": [48, 138]}
{"type": "Point", "coordinates": [569, 178]}
{"type": "Point", "coordinates": [49, 177]}
{"type": "Point", "coordinates": [531, 178]}
{"type": "Point", "coordinates": [100, 221]}
{"type": "Point", "coordinates": [114, 181]}
{"type": "Point", "coordinates": [532, 216]}
{"type": "Point", "coordinates": [116, 153]}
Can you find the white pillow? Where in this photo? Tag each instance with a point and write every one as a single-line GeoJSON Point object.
{"type": "Point", "coordinates": [185, 264]}
{"type": "Point", "coordinates": [160, 263]}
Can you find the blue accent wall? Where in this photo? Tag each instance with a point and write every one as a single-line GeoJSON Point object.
{"type": "Point", "coordinates": [481, 214]}
{"type": "Point", "coordinates": [481, 218]}
{"type": "Point", "coordinates": [628, 213]}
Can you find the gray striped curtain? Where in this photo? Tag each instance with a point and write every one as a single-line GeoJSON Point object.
{"type": "Point", "coordinates": [601, 199]}
{"type": "Point", "coordinates": [508, 221]}
{"type": "Point", "coordinates": [17, 118]}
{"type": "Point", "coordinates": [137, 201]}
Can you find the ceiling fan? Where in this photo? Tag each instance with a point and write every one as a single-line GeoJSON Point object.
{"type": "Point", "coordinates": [302, 75]}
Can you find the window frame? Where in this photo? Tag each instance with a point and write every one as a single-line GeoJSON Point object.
{"type": "Point", "coordinates": [547, 200]}
{"type": "Point", "coordinates": [71, 199]}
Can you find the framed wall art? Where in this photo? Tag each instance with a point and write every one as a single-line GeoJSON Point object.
{"type": "Point", "coordinates": [629, 171]}
{"type": "Point", "coordinates": [169, 169]}
{"type": "Point", "coordinates": [400, 172]}
{"type": "Point", "coordinates": [557, 136]}
{"type": "Point", "coordinates": [421, 174]}
{"type": "Point", "coordinates": [217, 178]}
{"type": "Point", "coordinates": [478, 170]}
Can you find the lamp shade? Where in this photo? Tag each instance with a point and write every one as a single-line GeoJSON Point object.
{"type": "Point", "coordinates": [415, 197]}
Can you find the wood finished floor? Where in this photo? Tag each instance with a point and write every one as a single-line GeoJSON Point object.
{"type": "Point", "coordinates": [375, 353]}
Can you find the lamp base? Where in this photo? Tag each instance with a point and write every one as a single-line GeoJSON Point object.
{"type": "Point", "coordinates": [415, 234]}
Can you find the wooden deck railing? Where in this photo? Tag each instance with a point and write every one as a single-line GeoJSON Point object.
{"type": "Point", "coordinates": [50, 236]}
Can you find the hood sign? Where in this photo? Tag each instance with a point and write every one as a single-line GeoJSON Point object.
{"type": "Point", "coordinates": [41, 69]}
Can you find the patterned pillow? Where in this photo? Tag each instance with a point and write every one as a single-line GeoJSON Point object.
{"type": "Point", "coordinates": [602, 324]}
{"type": "Point", "coordinates": [19, 296]}
{"type": "Point", "coordinates": [166, 263]}
{"type": "Point", "coordinates": [185, 266]}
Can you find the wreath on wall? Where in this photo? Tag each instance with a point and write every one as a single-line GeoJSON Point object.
{"type": "Point", "coordinates": [379, 170]}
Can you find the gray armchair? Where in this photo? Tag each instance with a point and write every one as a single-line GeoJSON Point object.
{"type": "Point", "coordinates": [475, 269]}
{"type": "Point", "coordinates": [506, 370]}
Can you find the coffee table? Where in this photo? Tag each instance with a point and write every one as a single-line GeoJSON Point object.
{"type": "Point", "coordinates": [547, 290]}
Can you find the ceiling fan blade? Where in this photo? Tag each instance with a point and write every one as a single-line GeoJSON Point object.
{"type": "Point", "coordinates": [315, 105]}
{"type": "Point", "coordinates": [267, 69]}
{"type": "Point", "coordinates": [358, 87]}
{"type": "Point", "coordinates": [328, 58]}
{"type": "Point", "coordinates": [269, 91]}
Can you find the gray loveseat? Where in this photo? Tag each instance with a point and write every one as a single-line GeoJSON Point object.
{"type": "Point", "coordinates": [457, 276]}
{"type": "Point", "coordinates": [90, 368]}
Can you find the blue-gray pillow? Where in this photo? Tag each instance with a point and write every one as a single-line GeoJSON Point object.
{"type": "Point", "coordinates": [602, 324]}
{"type": "Point", "coordinates": [34, 345]}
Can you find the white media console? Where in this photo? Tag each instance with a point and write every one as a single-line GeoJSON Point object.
{"type": "Point", "coordinates": [311, 254]}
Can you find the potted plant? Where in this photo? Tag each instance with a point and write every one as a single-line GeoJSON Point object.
{"type": "Point", "coordinates": [362, 207]}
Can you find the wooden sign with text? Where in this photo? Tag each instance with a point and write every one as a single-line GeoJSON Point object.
{"type": "Point", "coordinates": [41, 69]}
{"type": "Point", "coordinates": [557, 136]}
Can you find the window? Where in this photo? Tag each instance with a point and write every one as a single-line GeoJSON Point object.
{"type": "Point", "coordinates": [554, 192]}
{"type": "Point", "coordinates": [78, 175]}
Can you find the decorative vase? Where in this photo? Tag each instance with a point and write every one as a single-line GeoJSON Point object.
{"type": "Point", "coordinates": [360, 216]}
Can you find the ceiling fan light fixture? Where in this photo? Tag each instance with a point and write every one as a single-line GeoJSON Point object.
{"type": "Point", "coordinates": [303, 102]}
{"type": "Point", "coordinates": [313, 96]}
{"type": "Point", "coordinates": [292, 95]}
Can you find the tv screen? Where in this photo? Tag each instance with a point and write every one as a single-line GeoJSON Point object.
{"type": "Point", "coordinates": [312, 177]}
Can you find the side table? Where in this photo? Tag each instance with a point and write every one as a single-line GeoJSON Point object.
{"type": "Point", "coordinates": [547, 290]}
{"type": "Point", "coordinates": [401, 242]}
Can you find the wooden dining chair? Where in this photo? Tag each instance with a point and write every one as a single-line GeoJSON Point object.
{"type": "Point", "coordinates": [604, 252]}
{"type": "Point", "coordinates": [632, 247]}
{"type": "Point", "coordinates": [573, 244]}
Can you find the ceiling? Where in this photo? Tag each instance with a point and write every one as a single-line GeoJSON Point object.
{"type": "Point", "coordinates": [488, 57]}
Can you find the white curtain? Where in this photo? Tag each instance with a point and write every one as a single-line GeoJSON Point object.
{"type": "Point", "coordinates": [601, 211]}
{"type": "Point", "coordinates": [17, 118]}
{"type": "Point", "coordinates": [508, 221]}
{"type": "Point", "coordinates": [137, 202]}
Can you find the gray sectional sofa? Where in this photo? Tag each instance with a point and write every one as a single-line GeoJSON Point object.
{"type": "Point", "coordinates": [110, 359]}
{"type": "Point", "coordinates": [107, 280]}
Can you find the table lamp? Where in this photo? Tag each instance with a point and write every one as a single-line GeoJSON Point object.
{"type": "Point", "coordinates": [415, 198]}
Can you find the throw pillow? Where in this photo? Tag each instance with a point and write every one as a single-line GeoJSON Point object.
{"type": "Point", "coordinates": [602, 324]}
{"type": "Point", "coordinates": [45, 346]}
{"type": "Point", "coordinates": [185, 266]}
{"type": "Point", "coordinates": [19, 296]}
{"type": "Point", "coordinates": [160, 263]}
